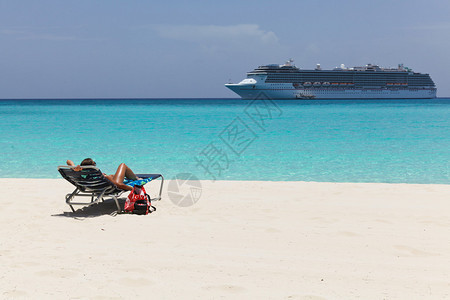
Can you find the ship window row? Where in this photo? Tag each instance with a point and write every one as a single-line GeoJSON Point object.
{"type": "Point", "coordinates": [362, 76]}
{"type": "Point", "coordinates": [362, 84]}
{"type": "Point", "coordinates": [347, 80]}
{"type": "Point", "coordinates": [336, 74]}
{"type": "Point", "coordinates": [356, 77]}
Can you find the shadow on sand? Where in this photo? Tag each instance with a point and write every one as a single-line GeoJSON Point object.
{"type": "Point", "coordinates": [108, 207]}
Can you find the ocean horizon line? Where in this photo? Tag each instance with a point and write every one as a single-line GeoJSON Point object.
{"type": "Point", "coordinates": [125, 98]}
{"type": "Point", "coordinates": [210, 98]}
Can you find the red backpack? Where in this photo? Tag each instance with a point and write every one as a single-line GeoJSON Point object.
{"type": "Point", "coordinates": [138, 202]}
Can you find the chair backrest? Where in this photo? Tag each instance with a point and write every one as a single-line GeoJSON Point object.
{"type": "Point", "coordinates": [89, 179]}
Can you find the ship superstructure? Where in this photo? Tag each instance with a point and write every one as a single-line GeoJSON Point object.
{"type": "Point", "coordinates": [369, 82]}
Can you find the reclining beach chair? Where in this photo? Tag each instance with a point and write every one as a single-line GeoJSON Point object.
{"type": "Point", "coordinates": [90, 182]}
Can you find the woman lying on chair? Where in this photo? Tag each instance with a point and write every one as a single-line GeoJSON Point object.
{"type": "Point", "coordinates": [122, 171]}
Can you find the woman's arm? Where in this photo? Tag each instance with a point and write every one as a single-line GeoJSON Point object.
{"type": "Point", "coordinates": [70, 163]}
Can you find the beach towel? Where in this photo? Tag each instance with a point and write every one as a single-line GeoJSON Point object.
{"type": "Point", "coordinates": [137, 182]}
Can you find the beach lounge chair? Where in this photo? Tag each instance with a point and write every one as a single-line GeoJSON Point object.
{"type": "Point", "coordinates": [90, 182]}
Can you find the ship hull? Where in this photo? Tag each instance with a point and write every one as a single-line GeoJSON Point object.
{"type": "Point", "coordinates": [258, 92]}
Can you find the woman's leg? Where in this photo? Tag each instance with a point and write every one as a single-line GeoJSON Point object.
{"type": "Point", "coordinates": [122, 171]}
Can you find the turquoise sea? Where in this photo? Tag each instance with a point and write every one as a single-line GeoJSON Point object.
{"type": "Point", "coordinates": [397, 141]}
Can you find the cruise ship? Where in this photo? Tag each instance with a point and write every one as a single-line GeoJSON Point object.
{"type": "Point", "coordinates": [369, 82]}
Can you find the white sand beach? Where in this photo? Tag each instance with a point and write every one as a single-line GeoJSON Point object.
{"type": "Point", "coordinates": [241, 240]}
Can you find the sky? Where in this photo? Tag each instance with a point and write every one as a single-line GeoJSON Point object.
{"type": "Point", "coordinates": [190, 49]}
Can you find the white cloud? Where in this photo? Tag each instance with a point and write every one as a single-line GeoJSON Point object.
{"type": "Point", "coordinates": [214, 33]}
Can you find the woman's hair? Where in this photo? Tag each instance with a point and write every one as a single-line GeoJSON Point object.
{"type": "Point", "coordinates": [88, 162]}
